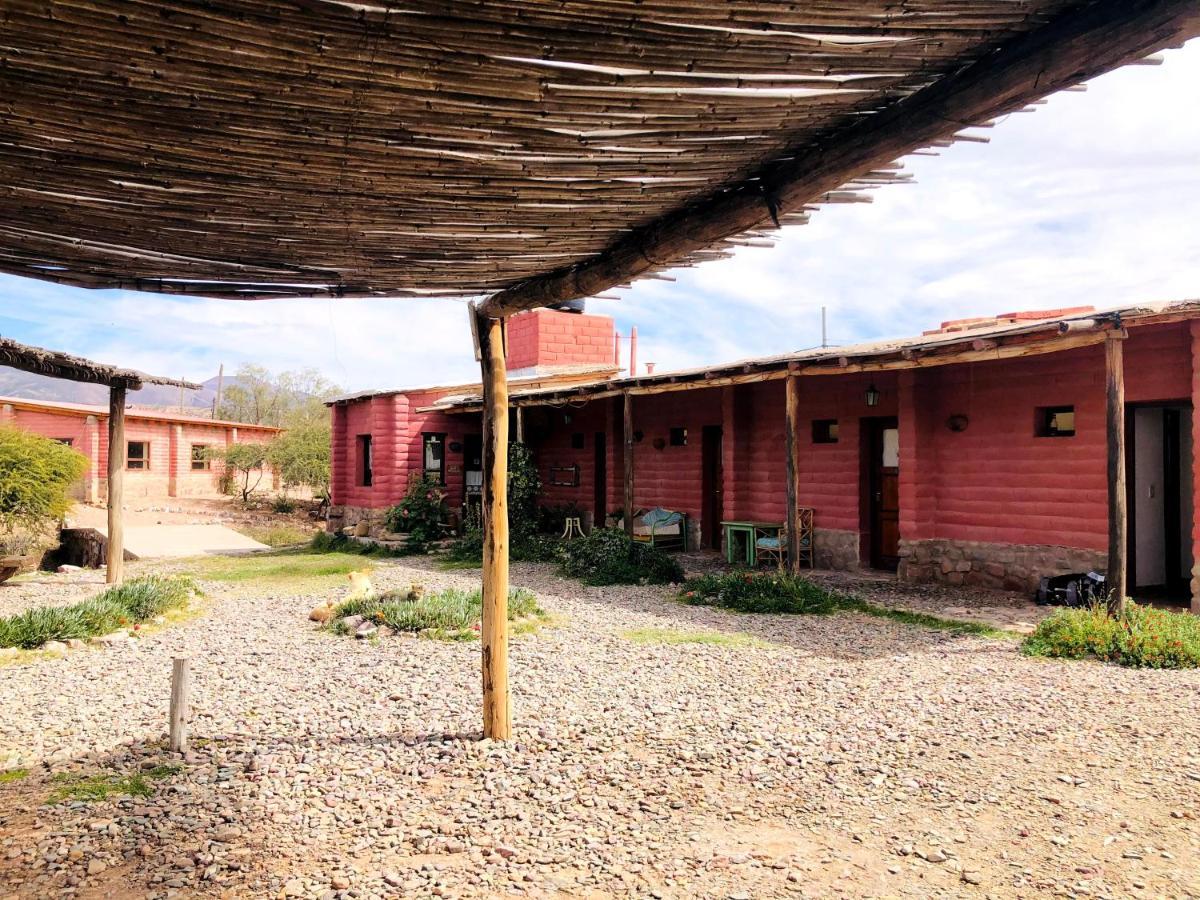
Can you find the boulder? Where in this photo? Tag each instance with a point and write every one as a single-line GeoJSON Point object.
{"type": "Point", "coordinates": [115, 637]}
{"type": "Point", "coordinates": [350, 623]}
{"type": "Point", "coordinates": [54, 647]}
{"type": "Point", "coordinates": [366, 630]}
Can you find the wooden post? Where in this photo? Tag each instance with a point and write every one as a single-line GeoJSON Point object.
{"type": "Point", "coordinates": [116, 484]}
{"type": "Point", "coordinates": [627, 510]}
{"type": "Point", "coordinates": [792, 448]}
{"type": "Point", "coordinates": [520, 412]}
{"type": "Point", "coordinates": [1114, 383]}
{"type": "Point", "coordinates": [180, 684]}
{"type": "Point", "coordinates": [497, 716]}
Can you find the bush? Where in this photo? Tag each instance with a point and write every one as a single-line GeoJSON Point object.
{"type": "Point", "coordinates": [325, 542]}
{"type": "Point", "coordinates": [420, 514]}
{"type": "Point", "coordinates": [468, 549]}
{"type": "Point", "coordinates": [301, 456]}
{"type": "Point", "coordinates": [760, 592]}
{"type": "Point", "coordinates": [283, 504]}
{"type": "Point", "coordinates": [35, 475]}
{"type": "Point", "coordinates": [138, 600]}
{"type": "Point", "coordinates": [450, 614]}
{"type": "Point", "coordinates": [610, 556]}
{"type": "Point", "coordinates": [1142, 637]}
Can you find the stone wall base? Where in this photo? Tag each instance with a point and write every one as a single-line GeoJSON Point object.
{"type": "Point", "coordinates": [833, 549]}
{"type": "Point", "coordinates": [1008, 567]}
{"type": "Point", "coordinates": [342, 516]}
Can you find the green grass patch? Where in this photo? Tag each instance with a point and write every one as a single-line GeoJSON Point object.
{"type": "Point", "coordinates": [8, 776]}
{"type": "Point", "coordinates": [1140, 637]}
{"type": "Point", "coordinates": [279, 567]}
{"type": "Point", "coordinates": [776, 593]}
{"type": "Point", "coordinates": [132, 603]}
{"type": "Point", "coordinates": [324, 542]}
{"type": "Point", "coordinates": [93, 788]}
{"type": "Point", "coordinates": [451, 614]}
{"type": "Point", "coordinates": [675, 636]}
{"type": "Point", "coordinates": [278, 535]}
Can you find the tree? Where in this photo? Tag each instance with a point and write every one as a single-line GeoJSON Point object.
{"type": "Point", "coordinates": [301, 456]}
{"type": "Point", "coordinates": [245, 464]}
{"type": "Point", "coordinates": [286, 400]}
{"type": "Point", "coordinates": [35, 474]}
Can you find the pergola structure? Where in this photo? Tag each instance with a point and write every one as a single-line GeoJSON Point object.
{"type": "Point", "coordinates": [518, 152]}
{"type": "Point", "coordinates": [119, 381]}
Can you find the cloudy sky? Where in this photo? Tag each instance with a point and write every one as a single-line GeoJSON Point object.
{"type": "Point", "coordinates": [1092, 199]}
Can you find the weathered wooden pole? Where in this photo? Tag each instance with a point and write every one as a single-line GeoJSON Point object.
{"type": "Point", "coordinates": [497, 716]}
{"type": "Point", "coordinates": [627, 509]}
{"type": "Point", "coordinates": [792, 448]}
{"type": "Point", "coordinates": [116, 484]}
{"type": "Point", "coordinates": [180, 684]}
{"type": "Point", "coordinates": [1114, 392]}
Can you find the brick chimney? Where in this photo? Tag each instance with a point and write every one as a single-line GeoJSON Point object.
{"type": "Point", "coordinates": [1010, 318]}
{"type": "Point", "coordinates": [546, 340]}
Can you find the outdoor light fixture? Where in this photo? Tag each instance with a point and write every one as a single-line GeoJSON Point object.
{"type": "Point", "coordinates": [872, 395]}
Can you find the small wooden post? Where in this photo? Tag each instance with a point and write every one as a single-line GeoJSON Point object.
{"type": "Point", "coordinates": [116, 484]}
{"type": "Point", "coordinates": [627, 510]}
{"type": "Point", "coordinates": [520, 412]}
{"type": "Point", "coordinates": [792, 448]}
{"type": "Point", "coordinates": [180, 684]}
{"type": "Point", "coordinates": [497, 715]}
{"type": "Point", "coordinates": [1114, 383]}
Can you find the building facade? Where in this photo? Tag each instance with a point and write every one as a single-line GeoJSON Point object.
{"type": "Point", "coordinates": [166, 454]}
{"type": "Point", "coordinates": [973, 455]}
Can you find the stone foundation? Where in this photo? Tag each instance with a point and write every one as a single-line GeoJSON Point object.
{"type": "Point", "coordinates": [1008, 567]}
{"type": "Point", "coordinates": [836, 549]}
{"type": "Point", "coordinates": [342, 516]}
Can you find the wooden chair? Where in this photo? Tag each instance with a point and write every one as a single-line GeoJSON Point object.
{"type": "Point", "coordinates": [771, 548]}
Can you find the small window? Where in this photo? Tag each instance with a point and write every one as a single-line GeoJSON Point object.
{"type": "Point", "coordinates": [364, 462]}
{"type": "Point", "coordinates": [137, 455]}
{"type": "Point", "coordinates": [200, 459]}
{"type": "Point", "coordinates": [433, 454]}
{"type": "Point", "coordinates": [1055, 421]}
{"type": "Point", "coordinates": [577, 440]}
{"type": "Point", "coordinates": [825, 431]}
{"type": "Point", "coordinates": [678, 437]}
{"type": "Point", "coordinates": [564, 476]}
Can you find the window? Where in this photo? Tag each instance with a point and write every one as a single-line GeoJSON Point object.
{"type": "Point", "coordinates": [200, 460]}
{"type": "Point", "coordinates": [825, 431]}
{"type": "Point", "coordinates": [137, 455]}
{"type": "Point", "coordinates": [1055, 421]}
{"type": "Point", "coordinates": [433, 454]}
{"type": "Point", "coordinates": [678, 437]}
{"type": "Point", "coordinates": [364, 462]}
{"type": "Point", "coordinates": [577, 440]}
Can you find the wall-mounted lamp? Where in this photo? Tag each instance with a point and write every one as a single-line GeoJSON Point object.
{"type": "Point", "coordinates": [659, 443]}
{"type": "Point", "coordinates": [872, 395]}
{"type": "Point", "coordinates": [455, 447]}
{"type": "Point", "coordinates": [957, 422]}
{"type": "Point", "coordinates": [637, 436]}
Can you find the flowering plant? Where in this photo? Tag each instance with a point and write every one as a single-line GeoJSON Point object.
{"type": "Point", "coordinates": [421, 513]}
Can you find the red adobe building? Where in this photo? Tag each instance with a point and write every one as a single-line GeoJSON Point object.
{"type": "Point", "coordinates": [164, 455]}
{"type": "Point", "coordinates": [974, 454]}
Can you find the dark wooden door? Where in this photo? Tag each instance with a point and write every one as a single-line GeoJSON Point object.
{"type": "Point", "coordinates": [600, 487]}
{"type": "Point", "coordinates": [712, 486]}
{"type": "Point", "coordinates": [883, 447]}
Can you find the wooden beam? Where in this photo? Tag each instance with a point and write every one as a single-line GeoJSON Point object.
{"type": "Point", "coordinates": [116, 485]}
{"type": "Point", "coordinates": [627, 509]}
{"type": "Point", "coordinates": [1114, 393]}
{"type": "Point", "coordinates": [497, 716]}
{"type": "Point", "coordinates": [1076, 44]}
{"type": "Point", "coordinates": [792, 448]}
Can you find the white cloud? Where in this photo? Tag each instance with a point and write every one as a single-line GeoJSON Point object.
{"type": "Point", "coordinates": [1091, 199]}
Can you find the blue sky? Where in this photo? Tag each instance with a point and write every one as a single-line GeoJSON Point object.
{"type": "Point", "coordinates": [1091, 199]}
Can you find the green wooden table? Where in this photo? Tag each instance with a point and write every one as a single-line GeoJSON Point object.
{"type": "Point", "coordinates": [747, 534]}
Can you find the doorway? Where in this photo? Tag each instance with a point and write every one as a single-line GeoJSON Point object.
{"type": "Point", "coordinates": [712, 486]}
{"type": "Point", "coordinates": [1159, 500]}
{"type": "Point", "coordinates": [600, 483]}
{"type": "Point", "coordinates": [881, 476]}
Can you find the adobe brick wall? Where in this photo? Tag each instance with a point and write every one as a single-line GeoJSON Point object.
{"type": "Point", "coordinates": [545, 337]}
{"type": "Point", "coordinates": [1009, 567]}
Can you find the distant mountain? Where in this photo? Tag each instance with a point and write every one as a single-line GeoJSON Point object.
{"type": "Point", "coordinates": [14, 383]}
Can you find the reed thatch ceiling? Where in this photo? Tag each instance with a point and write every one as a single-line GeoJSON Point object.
{"type": "Point", "coordinates": [537, 149]}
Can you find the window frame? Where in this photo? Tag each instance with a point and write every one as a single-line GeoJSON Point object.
{"type": "Point", "coordinates": [429, 438]}
{"type": "Point", "coordinates": [826, 431]}
{"type": "Point", "coordinates": [1045, 415]}
{"type": "Point", "coordinates": [203, 463]}
{"type": "Point", "coordinates": [142, 461]}
{"type": "Point", "coordinates": [364, 460]}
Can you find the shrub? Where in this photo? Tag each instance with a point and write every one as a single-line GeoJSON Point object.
{"type": "Point", "coordinates": [35, 475]}
{"type": "Point", "coordinates": [138, 600]}
{"type": "Point", "coordinates": [325, 542]}
{"type": "Point", "coordinates": [420, 513]}
{"type": "Point", "coordinates": [610, 556]}
{"type": "Point", "coordinates": [760, 592]}
{"type": "Point", "coordinates": [1142, 636]}
{"type": "Point", "coordinates": [283, 504]}
{"type": "Point", "coordinates": [301, 456]}
{"type": "Point", "coordinates": [524, 488]}
{"type": "Point", "coordinates": [244, 467]}
{"type": "Point", "coordinates": [450, 614]}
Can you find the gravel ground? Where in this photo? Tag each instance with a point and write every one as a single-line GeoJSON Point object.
{"type": "Point", "coordinates": [849, 757]}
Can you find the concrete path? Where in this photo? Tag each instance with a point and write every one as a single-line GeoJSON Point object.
{"type": "Point", "coordinates": [165, 541]}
